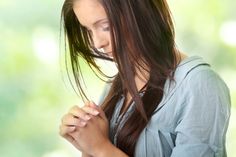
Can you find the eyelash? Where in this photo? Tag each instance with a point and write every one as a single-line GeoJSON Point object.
{"type": "Point", "coordinates": [106, 28]}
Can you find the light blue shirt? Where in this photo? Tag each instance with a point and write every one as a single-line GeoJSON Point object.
{"type": "Point", "coordinates": [192, 118]}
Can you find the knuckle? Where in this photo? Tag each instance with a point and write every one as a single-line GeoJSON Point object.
{"type": "Point", "coordinates": [75, 107]}
{"type": "Point", "coordinates": [63, 118]}
{"type": "Point", "coordinates": [65, 130]}
{"type": "Point", "coordinates": [61, 132]}
{"type": "Point", "coordinates": [75, 121]}
{"type": "Point", "coordinates": [86, 108]}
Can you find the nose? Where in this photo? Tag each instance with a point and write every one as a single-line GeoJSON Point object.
{"type": "Point", "coordinates": [100, 41]}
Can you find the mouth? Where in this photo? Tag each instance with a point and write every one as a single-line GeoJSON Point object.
{"type": "Point", "coordinates": [103, 53]}
{"type": "Point", "coordinates": [109, 54]}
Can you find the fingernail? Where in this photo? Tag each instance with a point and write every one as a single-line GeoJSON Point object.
{"type": "Point", "coordinates": [93, 103]}
{"type": "Point", "coordinates": [87, 117]}
{"type": "Point", "coordinates": [95, 112]}
{"type": "Point", "coordinates": [83, 123]}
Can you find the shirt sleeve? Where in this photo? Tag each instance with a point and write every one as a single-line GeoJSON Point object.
{"type": "Point", "coordinates": [201, 130]}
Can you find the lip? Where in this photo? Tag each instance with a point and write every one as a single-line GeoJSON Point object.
{"type": "Point", "coordinates": [109, 53]}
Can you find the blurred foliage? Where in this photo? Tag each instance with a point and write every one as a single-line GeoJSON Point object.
{"type": "Point", "coordinates": [35, 91]}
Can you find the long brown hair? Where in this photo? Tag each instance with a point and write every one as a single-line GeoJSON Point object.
{"type": "Point", "coordinates": [142, 35]}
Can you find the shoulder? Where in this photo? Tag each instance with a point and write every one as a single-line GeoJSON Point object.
{"type": "Point", "coordinates": [197, 84]}
{"type": "Point", "coordinates": [203, 80]}
{"type": "Point", "coordinates": [194, 78]}
{"type": "Point", "coordinates": [194, 73]}
{"type": "Point", "coordinates": [202, 89]}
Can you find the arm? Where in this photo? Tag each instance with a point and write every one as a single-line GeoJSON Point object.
{"type": "Point", "coordinates": [204, 119]}
{"type": "Point", "coordinates": [108, 150]}
{"type": "Point", "coordinates": [85, 155]}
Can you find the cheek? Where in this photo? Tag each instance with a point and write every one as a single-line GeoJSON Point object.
{"type": "Point", "coordinates": [110, 42]}
{"type": "Point", "coordinates": [109, 38]}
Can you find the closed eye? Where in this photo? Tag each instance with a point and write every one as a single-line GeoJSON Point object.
{"type": "Point", "coordinates": [106, 28]}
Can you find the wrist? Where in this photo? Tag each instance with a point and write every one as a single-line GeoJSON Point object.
{"type": "Point", "coordinates": [85, 155]}
{"type": "Point", "coordinates": [108, 149]}
{"type": "Point", "coordinates": [104, 149]}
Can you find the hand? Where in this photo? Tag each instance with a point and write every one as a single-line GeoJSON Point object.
{"type": "Point", "coordinates": [76, 117]}
{"type": "Point", "coordinates": [94, 135]}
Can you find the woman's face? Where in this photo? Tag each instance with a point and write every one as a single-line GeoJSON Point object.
{"type": "Point", "coordinates": [92, 15]}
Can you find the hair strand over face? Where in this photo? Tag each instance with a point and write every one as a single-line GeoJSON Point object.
{"type": "Point", "coordinates": [142, 35]}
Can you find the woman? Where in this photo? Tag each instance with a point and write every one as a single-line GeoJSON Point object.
{"type": "Point", "coordinates": [161, 103]}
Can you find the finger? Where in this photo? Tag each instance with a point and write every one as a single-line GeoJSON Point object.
{"type": "Point", "coordinates": [69, 138]}
{"type": "Point", "coordinates": [69, 119]}
{"type": "Point", "coordinates": [90, 110]}
{"type": "Point", "coordinates": [72, 140]}
{"type": "Point", "coordinates": [86, 103]}
{"type": "Point", "coordinates": [75, 138]}
{"type": "Point", "coordinates": [80, 113]}
{"type": "Point", "coordinates": [99, 109]}
{"type": "Point", "coordinates": [64, 130]}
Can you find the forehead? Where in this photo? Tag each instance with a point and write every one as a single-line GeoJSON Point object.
{"type": "Point", "coordinates": [88, 11]}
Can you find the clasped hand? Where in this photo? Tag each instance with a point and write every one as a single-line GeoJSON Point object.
{"type": "Point", "coordinates": [86, 128]}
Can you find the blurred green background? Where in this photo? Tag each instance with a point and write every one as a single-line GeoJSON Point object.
{"type": "Point", "coordinates": [35, 91]}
